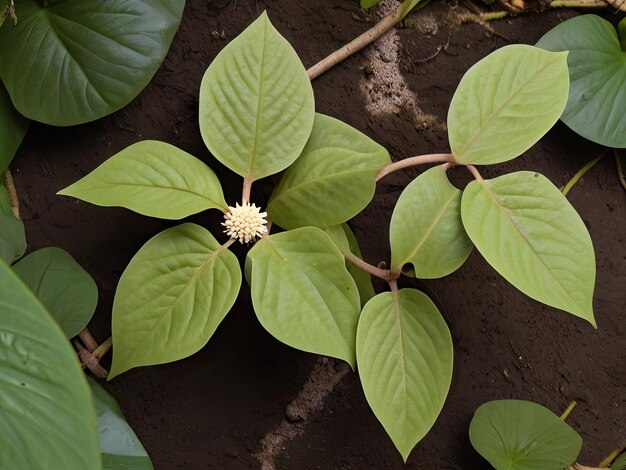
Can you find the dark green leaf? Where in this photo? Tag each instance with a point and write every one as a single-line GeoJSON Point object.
{"type": "Point", "coordinates": [75, 61]}
{"type": "Point", "coordinates": [12, 129]}
{"type": "Point", "coordinates": [620, 462]}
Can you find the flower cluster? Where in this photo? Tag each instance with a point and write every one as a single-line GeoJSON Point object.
{"type": "Point", "coordinates": [245, 222]}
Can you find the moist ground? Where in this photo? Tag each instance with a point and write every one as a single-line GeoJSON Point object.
{"type": "Point", "coordinates": [213, 409]}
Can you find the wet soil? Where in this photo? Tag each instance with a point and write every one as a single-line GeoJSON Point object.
{"type": "Point", "coordinates": [213, 409]}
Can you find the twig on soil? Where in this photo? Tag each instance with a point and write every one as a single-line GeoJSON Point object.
{"type": "Point", "coordinates": [580, 173]}
{"type": "Point", "coordinates": [357, 44]}
{"type": "Point", "coordinates": [326, 374]}
{"type": "Point", "coordinates": [415, 161]}
{"type": "Point", "coordinates": [620, 168]}
{"type": "Point", "coordinates": [10, 185]}
{"type": "Point", "coordinates": [568, 410]}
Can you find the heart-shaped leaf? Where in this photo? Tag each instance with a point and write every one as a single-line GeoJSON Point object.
{"type": "Point", "coordinates": [302, 293]}
{"type": "Point", "coordinates": [171, 298]}
{"type": "Point", "coordinates": [522, 435]}
{"type": "Point", "coordinates": [256, 103]}
{"type": "Point", "coordinates": [345, 240]}
{"type": "Point", "coordinates": [46, 413]}
{"type": "Point", "coordinates": [528, 231]}
{"type": "Point", "coordinates": [12, 129]}
{"type": "Point", "coordinates": [66, 290]}
{"type": "Point", "coordinates": [152, 178]}
{"type": "Point", "coordinates": [596, 108]}
{"type": "Point", "coordinates": [404, 354]}
{"type": "Point", "coordinates": [70, 62]}
{"type": "Point", "coordinates": [333, 179]}
{"type": "Point", "coordinates": [119, 445]}
{"type": "Point", "coordinates": [507, 102]}
{"type": "Point", "coordinates": [426, 228]}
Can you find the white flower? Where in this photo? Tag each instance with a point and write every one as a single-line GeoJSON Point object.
{"type": "Point", "coordinates": [245, 222]}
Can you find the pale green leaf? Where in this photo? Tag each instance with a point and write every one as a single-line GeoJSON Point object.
{"type": "Point", "coordinates": [256, 103]}
{"type": "Point", "coordinates": [73, 61]}
{"type": "Point", "coordinates": [404, 354]}
{"type": "Point", "coordinates": [522, 435]}
{"type": "Point", "coordinates": [596, 108]}
{"type": "Point", "coordinates": [346, 242]}
{"type": "Point", "coordinates": [171, 298]}
{"type": "Point", "coordinates": [506, 102]}
{"type": "Point", "coordinates": [12, 129]}
{"type": "Point", "coordinates": [333, 179]}
{"type": "Point", "coordinates": [47, 419]}
{"type": "Point", "coordinates": [528, 231]}
{"type": "Point", "coordinates": [302, 293]}
{"type": "Point", "coordinates": [66, 290]}
{"type": "Point", "coordinates": [119, 445]}
{"type": "Point", "coordinates": [407, 6]}
{"type": "Point", "coordinates": [426, 228]}
{"type": "Point", "coordinates": [620, 462]}
{"type": "Point", "coordinates": [152, 178]}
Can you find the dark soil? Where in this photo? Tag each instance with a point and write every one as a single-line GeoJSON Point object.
{"type": "Point", "coordinates": [212, 410]}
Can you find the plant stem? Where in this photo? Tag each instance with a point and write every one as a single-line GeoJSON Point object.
{"type": "Point", "coordinates": [88, 340]}
{"type": "Point", "coordinates": [247, 188]}
{"type": "Point", "coordinates": [414, 161]}
{"type": "Point", "coordinates": [580, 173]}
{"type": "Point", "coordinates": [612, 456]}
{"type": "Point", "coordinates": [384, 274]}
{"type": "Point", "coordinates": [89, 361]}
{"type": "Point", "coordinates": [568, 410]}
{"type": "Point", "coordinates": [617, 4]}
{"type": "Point", "coordinates": [101, 350]}
{"type": "Point", "coordinates": [620, 169]}
{"type": "Point", "coordinates": [10, 185]}
{"type": "Point", "coordinates": [475, 173]}
{"type": "Point", "coordinates": [483, 17]}
{"type": "Point", "coordinates": [357, 44]}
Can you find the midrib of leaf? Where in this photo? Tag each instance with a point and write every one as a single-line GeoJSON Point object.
{"type": "Point", "coordinates": [398, 315]}
{"type": "Point", "coordinates": [187, 285]}
{"type": "Point", "coordinates": [508, 217]}
{"type": "Point", "coordinates": [428, 232]}
{"type": "Point", "coordinates": [259, 105]}
{"type": "Point", "coordinates": [500, 109]}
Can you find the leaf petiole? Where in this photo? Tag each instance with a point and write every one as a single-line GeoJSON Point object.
{"type": "Point", "coordinates": [415, 161]}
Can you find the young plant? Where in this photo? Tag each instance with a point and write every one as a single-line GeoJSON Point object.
{"type": "Point", "coordinates": [308, 282]}
{"type": "Point", "coordinates": [53, 77]}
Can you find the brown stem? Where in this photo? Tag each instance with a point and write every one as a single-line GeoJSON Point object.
{"type": "Point", "coordinates": [101, 350]}
{"type": "Point", "coordinates": [414, 161]}
{"type": "Point", "coordinates": [89, 361]}
{"type": "Point", "coordinates": [88, 340]}
{"type": "Point", "coordinates": [357, 44]}
{"type": "Point", "coordinates": [620, 169]}
{"type": "Point", "coordinates": [384, 274]}
{"type": "Point", "coordinates": [10, 185]}
{"type": "Point", "coordinates": [247, 188]}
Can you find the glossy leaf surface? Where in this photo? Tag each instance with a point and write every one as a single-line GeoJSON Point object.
{"type": "Point", "coordinates": [152, 178]}
{"type": "Point", "coordinates": [333, 179]}
{"type": "Point", "coordinates": [404, 354]}
{"type": "Point", "coordinates": [426, 228]}
{"type": "Point", "coordinates": [171, 298]}
{"type": "Point", "coordinates": [46, 412]}
{"type": "Point", "coordinates": [345, 240]}
{"type": "Point", "coordinates": [506, 102]}
{"type": "Point", "coordinates": [596, 108]}
{"type": "Point", "coordinates": [66, 290]}
{"type": "Point", "coordinates": [302, 293]}
{"type": "Point", "coordinates": [528, 231]}
{"type": "Point", "coordinates": [73, 61]}
{"type": "Point", "coordinates": [256, 103]}
{"type": "Point", "coordinates": [12, 129]}
{"type": "Point", "coordinates": [119, 445]}
{"type": "Point", "coordinates": [522, 435]}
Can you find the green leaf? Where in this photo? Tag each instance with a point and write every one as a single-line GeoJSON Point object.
{"type": "Point", "coordinates": [597, 71]}
{"type": "Point", "coordinates": [426, 228]}
{"type": "Point", "coordinates": [404, 353]}
{"type": "Point", "coordinates": [119, 445]}
{"type": "Point", "coordinates": [620, 462]}
{"type": "Point", "coordinates": [407, 6]}
{"type": "Point", "coordinates": [74, 61]}
{"type": "Point", "coordinates": [12, 129]}
{"type": "Point", "coordinates": [12, 234]}
{"type": "Point", "coordinates": [333, 179]}
{"type": "Point", "coordinates": [256, 103]}
{"type": "Point", "coordinates": [66, 290]}
{"type": "Point", "coordinates": [172, 297]}
{"type": "Point", "coordinates": [46, 413]}
{"type": "Point", "coordinates": [346, 242]}
{"type": "Point", "coordinates": [154, 179]}
{"type": "Point", "coordinates": [302, 293]}
{"type": "Point", "coordinates": [522, 435]}
{"type": "Point", "coordinates": [369, 3]}
{"type": "Point", "coordinates": [528, 231]}
{"type": "Point", "coordinates": [506, 102]}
